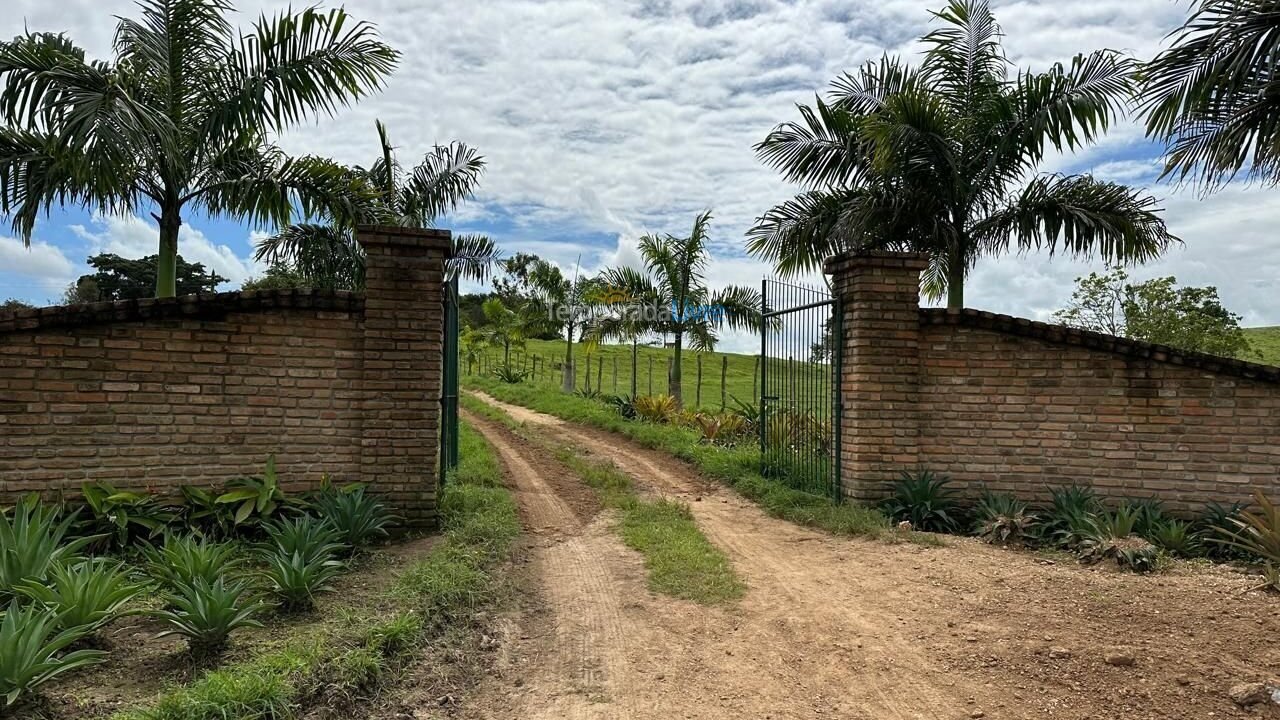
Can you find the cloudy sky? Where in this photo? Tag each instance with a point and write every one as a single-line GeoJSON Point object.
{"type": "Point", "coordinates": [605, 119]}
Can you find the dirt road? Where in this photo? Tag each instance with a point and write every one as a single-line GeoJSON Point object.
{"type": "Point", "coordinates": [849, 628]}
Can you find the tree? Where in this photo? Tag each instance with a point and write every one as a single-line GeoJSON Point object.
{"type": "Point", "coordinates": [1156, 311]}
{"type": "Point", "coordinates": [937, 160]}
{"type": "Point", "coordinates": [674, 279]}
{"type": "Point", "coordinates": [552, 301]}
{"type": "Point", "coordinates": [179, 120]}
{"type": "Point", "coordinates": [120, 278]}
{"type": "Point", "coordinates": [328, 253]}
{"type": "Point", "coordinates": [1213, 97]}
{"type": "Point", "coordinates": [14, 304]}
{"type": "Point", "coordinates": [277, 277]}
{"type": "Point", "coordinates": [503, 328]}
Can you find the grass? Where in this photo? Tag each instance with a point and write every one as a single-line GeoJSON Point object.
{"type": "Point", "coordinates": [1266, 341]}
{"type": "Point", "coordinates": [432, 603]}
{"type": "Point", "coordinates": [740, 377]}
{"type": "Point", "coordinates": [738, 467]}
{"type": "Point", "coordinates": [681, 562]}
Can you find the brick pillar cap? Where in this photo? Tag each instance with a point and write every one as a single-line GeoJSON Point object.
{"type": "Point", "coordinates": [397, 235]}
{"type": "Point", "coordinates": [852, 259]}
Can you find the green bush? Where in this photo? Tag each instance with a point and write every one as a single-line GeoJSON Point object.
{"type": "Point", "coordinates": [256, 499]}
{"type": "Point", "coordinates": [1175, 537]}
{"type": "Point", "coordinates": [85, 594]}
{"type": "Point", "coordinates": [1003, 519]}
{"type": "Point", "coordinates": [121, 517]}
{"type": "Point", "coordinates": [1218, 521]}
{"type": "Point", "coordinates": [183, 559]}
{"type": "Point", "coordinates": [294, 580]}
{"type": "Point", "coordinates": [310, 537]}
{"type": "Point", "coordinates": [924, 500]}
{"type": "Point", "coordinates": [359, 519]}
{"type": "Point", "coordinates": [207, 613]}
{"type": "Point", "coordinates": [1113, 535]}
{"type": "Point", "coordinates": [32, 541]}
{"type": "Point", "coordinates": [1067, 520]}
{"type": "Point", "coordinates": [32, 650]}
{"type": "Point", "coordinates": [510, 374]}
{"type": "Point", "coordinates": [1256, 532]}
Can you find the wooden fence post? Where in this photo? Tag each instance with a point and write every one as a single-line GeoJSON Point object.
{"type": "Point", "coordinates": [599, 374]}
{"type": "Point", "coordinates": [755, 380]}
{"type": "Point", "coordinates": [697, 398]}
{"type": "Point", "coordinates": [651, 375]}
{"type": "Point", "coordinates": [615, 374]}
{"type": "Point", "coordinates": [724, 374]}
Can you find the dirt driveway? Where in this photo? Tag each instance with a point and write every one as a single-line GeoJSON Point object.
{"type": "Point", "coordinates": [849, 628]}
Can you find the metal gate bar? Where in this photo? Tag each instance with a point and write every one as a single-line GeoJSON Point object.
{"type": "Point", "coordinates": [449, 383]}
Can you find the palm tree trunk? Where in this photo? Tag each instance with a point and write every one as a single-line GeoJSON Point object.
{"type": "Point", "coordinates": [570, 378]}
{"type": "Point", "coordinates": [506, 353]}
{"type": "Point", "coordinates": [673, 382]}
{"type": "Point", "coordinates": [167, 258]}
{"type": "Point", "coordinates": [955, 279]}
{"type": "Point", "coordinates": [635, 363]}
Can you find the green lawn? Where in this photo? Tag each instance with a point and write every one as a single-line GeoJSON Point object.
{"type": "Point", "coordinates": [1265, 340]}
{"type": "Point", "coordinates": [611, 372]}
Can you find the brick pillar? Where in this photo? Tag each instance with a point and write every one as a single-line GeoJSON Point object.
{"type": "Point", "coordinates": [879, 297]}
{"type": "Point", "coordinates": [402, 371]}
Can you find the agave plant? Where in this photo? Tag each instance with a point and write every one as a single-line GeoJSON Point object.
{"type": "Point", "coordinates": [656, 408]}
{"type": "Point", "coordinates": [924, 500]}
{"type": "Point", "coordinates": [1067, 519]}
{"type": "Point", "coordinates": [32, 650]}
{"type": "Point", "coordinates": [32, 541]}
{"type": "Point", "coordinates": [720, 428]}
{"type": "Point", "coordinates": [510, 374]}
{"type": "Point", "coordinates": [360, 519]}
{"type": "Point", "coordinates": [624, 404]}
{"type": "Point", "coordinates": [86, 594]}
{"type": "Point", "coordinates": [1175, 536]}
{"type": "Point", "coordinates": [294, 579]}
{"type": "Point", "coordinates": [1003, 519]}
{"type": "Point", "coordinates": [305, 535]}
{"type": "Point", "coordinates": [1112, 535]}
{"type": "Point", "coordinates": [1215, 522]}
{"type": "Point", "coordinates": [1257, 533]}
{"type": "Point", "coordinates": [206, 613]}
{"type": "Point", "coordinates": [182, 560]}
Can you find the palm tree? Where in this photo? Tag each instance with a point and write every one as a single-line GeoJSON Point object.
{"type": "Point", "coordinates": [624, 293]}
{"type": "Point", "coordinates": [942, 159]}
{"type": "Point", "coordinates": [1214, 96]}
{"type": "Point", "coordinates": [179, 119]}
{"type": "Point", "coordinates": [674, 280]}
{"type": "Point", "coordinates": [328, 254]}
{"type": "Point", "coordinates": [558, 302]}
{"type": "Point", "coordinates": [503, 327]}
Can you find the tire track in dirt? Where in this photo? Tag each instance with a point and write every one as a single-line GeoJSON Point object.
{"type": "Point", "coordinates": [794, 582]}
{"type": "Point", "coordinates": [588, 657]}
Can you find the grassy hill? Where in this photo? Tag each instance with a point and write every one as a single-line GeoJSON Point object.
{"type": "Point", "coordinates": [809, 379]}
{"type": "Point", "coordinates": [1266, 340]}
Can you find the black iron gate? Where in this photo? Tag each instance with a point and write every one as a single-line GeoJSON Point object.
{"type": "Point", "coordinates": [449, 383]}
{"type": "Point", "coordinates": [799, 403]}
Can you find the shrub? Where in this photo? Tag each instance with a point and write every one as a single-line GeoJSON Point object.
{"type": "Point", "coordinates": [1111, 535]}
{"type": "Point", "coordinates": [924, 500]}
{"type": "Point", "coordinates": [1148, 514]}
{"type": "Point", "coordinates": [510, 374]}
{"type": "Point", "coordinates": [86, 594]}
{"type": "Point", "coordinates": [1216, 522]}
{"type": "Point", "coordinates": [359, 519]}
{"type": "Point", "coordinates": [206, 613]}
{"type": "Point", "coordinates": [204, 516]}
{"type": "Point", "coordinates": [1066, 521]}
{"type": "Point", "coordinates": [31, 650]}
{"type": "Point", "coordinates": [310, 537]}
{"type": "Point", "coordinates": [183, 560]}
{"type": "Point", "coordinates": [1175, 536]}
{"type": "Point", "coordinates": [748, 411]}
{"type": "Point", "coordinates": [1003, 519]}
{"type": "Point", "coordinates": [294, 579]}
{"type": "Point", "coordinates": [588, 394]}
{"type": "Point", "coordinates": [624, 404]}
{"type": "Point", "coordinates": [656, 408]}
{"type": "Point", "coordinates": [255, 499]}
{"type": "Point", "coordinates": [720, 428]}
{"type": "Point", "coordinates": [32, 542]}
{"type": "Point", "coordinates": [120, 516]}
{"type": "Point", "coordinates": [1256, 533]}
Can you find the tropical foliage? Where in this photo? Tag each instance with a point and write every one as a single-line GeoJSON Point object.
{"type": "Point", "coordinates": [33, 540]}
{"type": "Point", "coordinates": [686, 309]}
{"type": "Point", "coordinates": [33, 650]}
{"type": "Point", "coordinates": [179, 119]}
{"type": "Point", "coordinates": [327, 253]}
{"type": "Point", "coordinates": [206, 613]}
{"type": "Point", "coordinates": [941, 159]}
{"type": "Point", "coordinates": [1211, 96]}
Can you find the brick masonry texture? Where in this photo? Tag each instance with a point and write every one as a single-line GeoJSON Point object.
{"type": "Point", "coordinates": [199, 390]}
{"type": "Point", "coordinates": [1014, 405]}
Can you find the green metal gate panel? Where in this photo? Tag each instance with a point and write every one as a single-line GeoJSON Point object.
{"type": "Point", "coordinates": [800, 349]}
{"type": "Point", "coordinates": [449, 383]}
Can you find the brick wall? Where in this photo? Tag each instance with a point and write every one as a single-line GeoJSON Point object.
{"type": "Point", "coordinates": [1014, 405]}
{"type": "Point", "coordinates": [198, 390]}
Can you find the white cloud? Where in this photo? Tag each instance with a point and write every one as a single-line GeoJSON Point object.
{"type": "Point", "coordinates": [37, 272]}
{"type": "Point", "coordinates": [132, 237]}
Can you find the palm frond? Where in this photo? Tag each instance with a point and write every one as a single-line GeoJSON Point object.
{"type": "Point", "coordinates": [799, 234]}
{"type": "Point", "coordinates": [965, 57]}
{"type": "Point", "coordinates": [447, 176]}
{"type": "Point", "coordinates": [326, 256]}
{"type": "Point", "coordinates": [473, 257]}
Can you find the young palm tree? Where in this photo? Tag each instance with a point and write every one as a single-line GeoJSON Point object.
{"type": "Point", "coordinates": [328, 254]}
{"type": "Point", "coordinates": [674, 279]}
{"type": "Point", "coordinates": [504, 327]}
{"type": "Point", "coordinates": [179, 119]}
{"type": "Point", "coordinates": [1212, 97]}
{"type": "Point", "coordinates": [562, 303]}
{"type": "Point", "coordinates": [941, 160]}
{"type": "Point", "coordinates": [625, 293]}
